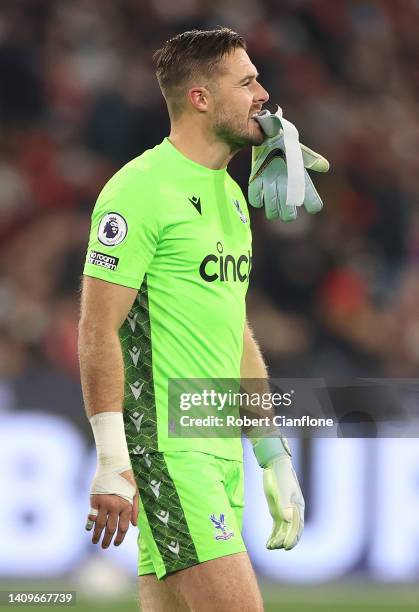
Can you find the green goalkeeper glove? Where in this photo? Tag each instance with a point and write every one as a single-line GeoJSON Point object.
{"type": "Point", "coordinates": [279, 179]}
{"type": "Point", "coordinates": [282, 491]}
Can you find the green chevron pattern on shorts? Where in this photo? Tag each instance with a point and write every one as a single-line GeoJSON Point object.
{"type": "Point", "coordinates": [164, 513]}
{"type": "Point", "coordinates": [139, 402]}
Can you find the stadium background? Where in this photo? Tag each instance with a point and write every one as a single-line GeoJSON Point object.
{"type": "Point", "coordinates": [334, 295]}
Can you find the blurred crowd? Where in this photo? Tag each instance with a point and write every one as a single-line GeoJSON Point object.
{"type": "Point", "coordinates": [333, 294]}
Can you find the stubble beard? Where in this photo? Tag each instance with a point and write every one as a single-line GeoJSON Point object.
{"type": "Point", "coordinates": [235, 134]}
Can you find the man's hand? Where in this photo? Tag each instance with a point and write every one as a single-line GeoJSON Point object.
{"type": "Point", "coordinates": [282, 491]}
{"type": "Point", "coordinates": [112, 513]}
{"type": "Point", "coordinates": [285, 502]}
{"type": "Point", "coordinates": [279, 180]}
{"type": "Point", "coordinates": [114, 495]}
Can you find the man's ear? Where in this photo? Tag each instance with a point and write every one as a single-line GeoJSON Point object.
{"type": "Point", "coordinates": [198, 97]}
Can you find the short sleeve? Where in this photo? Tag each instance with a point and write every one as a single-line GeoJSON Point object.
{"type": "Point", "coordinates": [124, 231]}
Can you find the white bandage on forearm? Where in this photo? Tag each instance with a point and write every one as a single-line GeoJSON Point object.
{"type": "Point", "coordinates": [112, 456]}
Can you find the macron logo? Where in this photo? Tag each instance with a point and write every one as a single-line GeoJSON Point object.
{"type": "Point", "coordinates": [134, 354]}
{"type": "Point", "coordinates": [163, 516]}
{"type": "Point", "coordinates": [136, 419]}
{"type": "Point", "coordinates": [174, 547]}
{"type": "Point", "coordinates": [142, 451]}
{"type": "Point", "coordinates": [136, 388]}
{"type": "Point", "coordinates": [132, 320]}
{"type": "Point", "coordinates": [155, 487]}
{"type": "Point", "coordinates": [196, 202]}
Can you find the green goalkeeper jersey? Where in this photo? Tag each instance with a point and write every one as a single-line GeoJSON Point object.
{"type": "Point", "coordinates": [179, 233]}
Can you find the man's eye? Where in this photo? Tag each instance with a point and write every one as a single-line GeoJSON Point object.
{"type": "Point", "coordinates": [246, 83]}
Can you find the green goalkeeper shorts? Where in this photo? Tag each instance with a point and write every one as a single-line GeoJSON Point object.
{"type": "Point", "coordinates": [191, 510]}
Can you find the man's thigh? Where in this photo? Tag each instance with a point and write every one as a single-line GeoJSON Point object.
{"type": "Point", "coordinates": [157, 596]}
{"type": "Point", "coordinates": [227, 583]}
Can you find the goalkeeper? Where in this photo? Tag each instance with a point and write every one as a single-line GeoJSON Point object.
{"type": "Point", "coordinates": [164, 288]}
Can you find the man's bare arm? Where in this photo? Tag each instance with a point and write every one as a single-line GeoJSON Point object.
{"type": "Point", "coordinates": [104, 307]}
{"type": "Point", "coordinates": [282, 491]}
{"type": "Point", "coordinates": [252, 364]}
{"type": "Point", "coordinates": [254, 377]}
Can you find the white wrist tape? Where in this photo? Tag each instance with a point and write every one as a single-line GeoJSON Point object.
{"type": "Point", "coordinates": [112, 456]}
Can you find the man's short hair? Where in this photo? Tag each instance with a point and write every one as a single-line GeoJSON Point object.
{"type": "Point", "coordinates": [192, 54]}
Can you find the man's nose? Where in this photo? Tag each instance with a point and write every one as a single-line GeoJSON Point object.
{"type": "Point", "coordinates": [262, 94]}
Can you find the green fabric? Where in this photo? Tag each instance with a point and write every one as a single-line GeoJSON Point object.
{"type": "Point", "coordinates": [165, 516]}
{"type": "Point", "coordinates": [183, 229]}
{"type": "Point", "coordinates": [192, 487]}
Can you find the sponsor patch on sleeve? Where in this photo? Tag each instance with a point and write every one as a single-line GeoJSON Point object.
{"type": "Point", "coordinates": [101, 259]}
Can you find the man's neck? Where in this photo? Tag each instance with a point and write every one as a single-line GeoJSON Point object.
{"type": "Point", "coordinates": [203, 148]}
